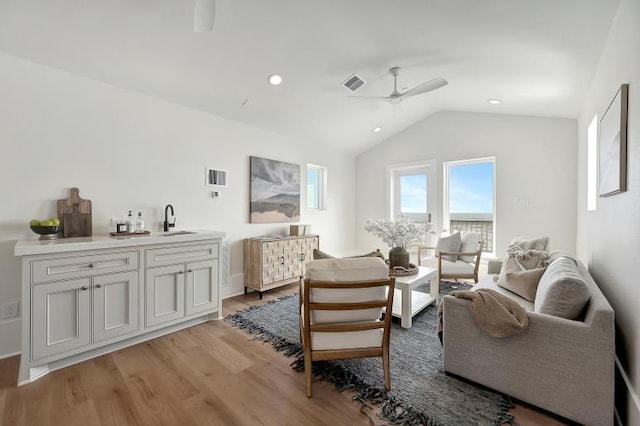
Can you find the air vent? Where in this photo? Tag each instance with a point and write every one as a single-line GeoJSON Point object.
{"type": "Point", "coordinates": [353, 82]}
{"type": "Point", "coordinates": [216, 177]}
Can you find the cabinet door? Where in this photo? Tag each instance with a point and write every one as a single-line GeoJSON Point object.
{"type": "Point", "coordinates": [60, 317]}
{"type": "Point", "coordinates": [272, 262]}
{"type": "Point", "coordinates": [306, 251]}
{"type": "Point", "coordinates": [202, 286]}
{"type": "Point", "coordinates": [164, 294]}
{"type": "Point", "coordinates": [294, 258]}
{"type": "Point", "coordinates": [115, 305]}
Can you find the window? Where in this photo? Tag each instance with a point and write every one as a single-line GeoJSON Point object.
{"type": "Point", "coordinates": [469, 198]}
{"type": "Point", "coordinates": [412, 191]}
{"type": "Point", "coordinates": [316, 187]}
{"type": "Point", "coordinates": [592, 164]}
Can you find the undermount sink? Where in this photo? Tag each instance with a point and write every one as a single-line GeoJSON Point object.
{"type": "Point", "coordinates": [173, 234]}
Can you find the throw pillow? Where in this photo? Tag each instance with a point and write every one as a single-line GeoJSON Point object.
{"type": "Point", "coordinates": [451, 243]}
{"type": "Point", "coordinates": [562, 291]}
{"type": "Point", "coordinates": [540, 243]}
{"type": "Point", "coordinates": [469, 244]}
{"type": "Point", "coordinates": [523, 283]}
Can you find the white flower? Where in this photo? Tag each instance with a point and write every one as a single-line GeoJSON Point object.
{"type": "Point", "coordinates": [397, 233]}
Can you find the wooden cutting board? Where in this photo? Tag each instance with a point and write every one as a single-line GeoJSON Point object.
{"type": "Point", "coordinates": [75, 215]}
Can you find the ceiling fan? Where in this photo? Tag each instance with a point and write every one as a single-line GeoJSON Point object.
{"type": "Point", "coordinates": [396, 96]}
{"type": "Point", "coordinates": [204, 13]}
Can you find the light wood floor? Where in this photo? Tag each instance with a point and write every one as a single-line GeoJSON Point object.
{"type": "Point", "coordinates": [211, 374]}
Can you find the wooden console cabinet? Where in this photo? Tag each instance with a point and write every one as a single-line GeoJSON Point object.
{"type": "Point", "coordinates": [274, 262]}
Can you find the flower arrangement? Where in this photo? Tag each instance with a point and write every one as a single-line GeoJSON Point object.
{"type": "Point", "coordinates": [397, 233]}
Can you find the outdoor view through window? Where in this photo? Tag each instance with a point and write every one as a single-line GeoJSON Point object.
{"type": "Point", "coordinates": [470, 199]}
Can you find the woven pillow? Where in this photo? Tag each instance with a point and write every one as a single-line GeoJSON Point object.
{"type": "Point", "coordinates": [540, 243]}
{"type": "Point", "coordinates": [452, 243]}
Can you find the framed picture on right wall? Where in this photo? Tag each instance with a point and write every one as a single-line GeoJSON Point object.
{"type": "Point", "coordinates": [613, 145]}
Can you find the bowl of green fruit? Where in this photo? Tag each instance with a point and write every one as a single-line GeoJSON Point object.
{"type": "Point", "coordinates": [48, 229]}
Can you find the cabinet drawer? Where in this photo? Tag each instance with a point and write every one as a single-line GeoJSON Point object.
{"type": "Point", "coordinates": [181, 254]}
{"type": "Point", "coordinates": [62, 268]}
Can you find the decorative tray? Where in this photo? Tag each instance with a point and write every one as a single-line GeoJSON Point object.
{"type": "Point", "coordinates": [399, 271]}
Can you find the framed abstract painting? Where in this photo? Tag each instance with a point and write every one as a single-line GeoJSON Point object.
{"type": "Point", "coordinates": [274, 191]}
{"type": "Point", "coordinates": [612, 145]}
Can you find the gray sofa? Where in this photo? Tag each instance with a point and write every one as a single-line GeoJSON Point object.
{"type": "Point", "coordinates": [563, 366]}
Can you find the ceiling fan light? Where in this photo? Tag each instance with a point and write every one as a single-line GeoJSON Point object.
{"type": "Point", "coordinates": [274, 79]}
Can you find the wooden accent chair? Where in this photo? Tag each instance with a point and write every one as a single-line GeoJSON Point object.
{"type": "Point", "coordinates": [341, 304]}
{"type": "Point", "coordinates": [465, 266]}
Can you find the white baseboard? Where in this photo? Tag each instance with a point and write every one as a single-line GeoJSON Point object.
{"type": "Point", "coordinates": [3, 356]}
{"type": "Point", "coordinates": [630, 390]}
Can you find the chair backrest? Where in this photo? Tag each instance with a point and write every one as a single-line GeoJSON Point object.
{"type": "Point", "coordinates": [347, 290]}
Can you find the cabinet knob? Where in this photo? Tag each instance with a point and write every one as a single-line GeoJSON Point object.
{"type": "Point", "coordinates": [282, 260]}
{"type": "Point", "coordinates": [98, 285]}
{"type": "Point", "coordinates": [181, 272]}
{"type": "Point", "coordinates": [91, 265]}
{"type": "Point", "coordinates": [189, 270]}
{"type": "Point", "coordinates": [84, 287]}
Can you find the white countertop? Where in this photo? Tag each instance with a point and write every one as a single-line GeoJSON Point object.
{"type": "Point", "coordinates": [62, 245]}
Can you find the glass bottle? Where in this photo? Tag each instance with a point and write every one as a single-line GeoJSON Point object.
{"type": "Point", "coordinates": [130, 224]}
{"type": "Point", "coordinates": [139, 223]}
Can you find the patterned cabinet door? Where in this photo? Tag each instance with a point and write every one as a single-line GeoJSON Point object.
{"type": "Point", "coordinates": [306, 251]}
{"type": "Point", "coordinates": [272, 261]}
{"type": "Point", "coordinates": [291, 261]}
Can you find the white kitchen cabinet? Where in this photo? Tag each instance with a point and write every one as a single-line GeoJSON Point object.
{"type": "Point", "coordinates": [183, 283]}
{"type": "Point", "coordinates": [83, 297]}
{"type": "Point", "coordinates": [115, 305]}
{"type": "Point", "coordinates": [60, 317]}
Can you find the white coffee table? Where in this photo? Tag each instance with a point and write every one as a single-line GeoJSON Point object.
{"type": "Point", "coordinates": [407, 302]}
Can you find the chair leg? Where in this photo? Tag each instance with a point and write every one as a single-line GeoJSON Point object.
{"type": "Point", "coordinates": [308, 366]}
{"type": "Point", "coordinates": [386, 369]}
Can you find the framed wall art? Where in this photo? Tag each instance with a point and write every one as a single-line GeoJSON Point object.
{"type": "Point", "coordinates": [612, 145]}
{"type": "Point", "coordinates": [274, 191]}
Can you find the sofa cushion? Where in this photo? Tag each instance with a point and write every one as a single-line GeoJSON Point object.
{"type": "Point", "coordinates": [342, 270]}
{"type": "Point", "coordinates": [448, 267]}
{"type": "Point", "coordinates": [449, 243]}
{"type": "Point", "coordinates": [562, 291]}
{"type": "Point", "coordinates": [523, 283]}
{"type": "Point", "coordinates": [488, 282]}
{"type": "Point", "coordinates": [469, 244]}
{"type": "Point", "coordinates": [318, 254]}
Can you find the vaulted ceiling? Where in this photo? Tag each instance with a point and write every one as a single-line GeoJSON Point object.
{"type": "Point", "coordinates": [536, 56]}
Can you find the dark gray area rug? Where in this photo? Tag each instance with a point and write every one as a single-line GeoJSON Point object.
{"type": "Point", "coordinates": [422, 394]}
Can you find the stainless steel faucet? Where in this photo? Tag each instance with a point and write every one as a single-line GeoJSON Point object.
{"type": "Point", "coordinates": [166, 223]}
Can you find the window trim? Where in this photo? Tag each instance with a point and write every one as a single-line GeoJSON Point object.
{"type": "Point", "coordinates": [445, 194]}
{"type": "Point", "coordinates": [322, 186]}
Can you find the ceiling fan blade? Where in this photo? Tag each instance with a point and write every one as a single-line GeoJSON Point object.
{"type": "Point", "coordinates": [382, 98]}
{"type": "Point", "coordinates": [204, 14]}
{"type": "Point", "coordinates": [425, 87]}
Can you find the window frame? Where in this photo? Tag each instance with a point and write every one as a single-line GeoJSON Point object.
{"type": "Point", "coordinates": [322, 187]}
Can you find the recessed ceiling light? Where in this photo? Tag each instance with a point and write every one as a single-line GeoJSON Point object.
{"type": "Point", "coordinates": [377, 129]}
{"type": "Point", "coordinates": [494, 101]}
{"type": "Point", "coordinates": [274, 79]}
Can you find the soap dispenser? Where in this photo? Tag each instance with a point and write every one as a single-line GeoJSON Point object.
{"type": "Point", "coordinates": [140, 223]}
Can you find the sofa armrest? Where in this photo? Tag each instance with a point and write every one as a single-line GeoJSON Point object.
{"type": "Point", "coordinates": [563, 366]}
{"type": "Point", "coordinates": [494, 266]}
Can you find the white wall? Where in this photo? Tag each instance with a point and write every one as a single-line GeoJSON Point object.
{"type": "Point", "coordinates": [535, 158]}
{"type": "Point", "coordinates": [609, 238]}
{"type": "Point", "coordinates": [127, 151]}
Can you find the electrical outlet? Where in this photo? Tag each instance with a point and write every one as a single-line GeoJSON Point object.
{"type": "Point", "coordinates": [215, 194]}
{"type": "Point", "coordinates": [10, 310]}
